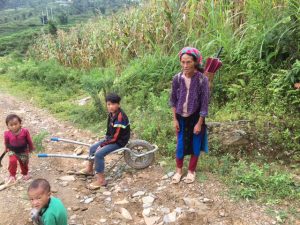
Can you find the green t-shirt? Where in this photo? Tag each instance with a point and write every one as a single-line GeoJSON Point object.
{"type": "Point", "coordinates": [55, 214]}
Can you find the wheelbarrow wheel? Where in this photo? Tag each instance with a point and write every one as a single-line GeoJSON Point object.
{"type": "Point", "coordinates": [139, 147]}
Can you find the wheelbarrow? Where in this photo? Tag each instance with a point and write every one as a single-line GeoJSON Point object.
{"type": "Point", "coordinates": [138, 154]}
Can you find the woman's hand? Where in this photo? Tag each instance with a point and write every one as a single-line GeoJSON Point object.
{"type": "Point", "coordinates": [176, 125]}
{"type": "Point", "coordinates": [197, 127]}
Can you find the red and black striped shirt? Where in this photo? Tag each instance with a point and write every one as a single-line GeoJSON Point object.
{"type": "Point", "coordinates": [118, 129]}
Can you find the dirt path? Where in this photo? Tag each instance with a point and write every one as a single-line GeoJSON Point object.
{"type": "Point", "coordinates": [199, 203]}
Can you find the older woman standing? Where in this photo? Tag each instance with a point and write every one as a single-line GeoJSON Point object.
{"type": "Point", "coordinates": [189, 101]}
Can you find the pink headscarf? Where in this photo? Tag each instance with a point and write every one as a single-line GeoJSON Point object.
{"type": "Point", "coordinates": [191, 51]}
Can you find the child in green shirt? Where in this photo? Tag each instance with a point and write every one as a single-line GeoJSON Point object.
{"type": "Point", "coordinates": [47, 210]}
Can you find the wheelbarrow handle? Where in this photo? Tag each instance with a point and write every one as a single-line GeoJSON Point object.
{"type": "Point", "coordinates": [84, 157]}
{"type": "Point", "coordinates": [56, 139]}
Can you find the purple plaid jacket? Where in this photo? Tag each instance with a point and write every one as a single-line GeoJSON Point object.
{"type": "Point", "coordinates": [198, 97]}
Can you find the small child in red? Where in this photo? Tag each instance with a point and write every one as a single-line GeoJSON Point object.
{"type": "Point", "coordinates": [18, 144]}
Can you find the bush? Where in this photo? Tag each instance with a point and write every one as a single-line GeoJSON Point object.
{"type": "Point", "coordinates": [49, 74]}
{"type": "Point", "coordinates": [255, 181]}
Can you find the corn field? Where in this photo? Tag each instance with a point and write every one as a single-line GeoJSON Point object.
{"type": "Point", "coordinates": [165, 26]}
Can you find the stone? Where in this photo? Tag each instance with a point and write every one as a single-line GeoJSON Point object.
{"type": "Point", "coordinates": [195, 203]}
{"type": "Point", "coordinates": [122, 202]}
{"type": "Point", "coordinates": [73, 217]}
{"type": "Point", "coordinates": [170, 218]}
{"type": "Point", "coordinates": [147, 211]}
{"type": "Point", "coordinates": [75, 208]}
{"type": "Point", "coordinates": [236, 138]}
{"type": "Point", "coordinates": [147, 205]}
{"type": "Point", "coordinates": [161, 188]}
{"type": "Point", "coordinates": [67, 178]}
{"type": "Point", "coordinates": [88, 200]}
{"type": "Point", "coordinates": [206, 200]}
{"type": "Point", "coordinates": [168, 175]}
{"type": "Point", "coordinates": [124, 212]}
{"type": "Point", "coordinates": [165, 210]}
{"type": "Point", "coordinates": [138, 194]}
{"type": "Point", "coordinates": [148, 200]}
{"type": "Point", "coordinates": [84, 101]}
{"type": "Point", "coordinates": [54, 190]}
{"type": "Point", "coordinates": [64, 183]}
{"type": "Point", "coordinates": [178, 210]}
{"type": "Point", "coordinates": [151, 220]}
{"type": "Point", "coordinates": [71, 172]}
{"type": "Point", "coordinates": [222, 213]}
{"type": "Point", "coordinates": [107, 193]}
{"type": "Point", "coordinates": [103, 220]}
{"type": "Point", "coordinates": [78, 150]}
{"type": "Point", "coordinates": [108, 199]}
{"type": "Point", "coordinates": [84, 208]}
{"type": "Point", "coordinates": [213, 124]}
{"type": "Point", "coordinates": [20, 188]}
{"type": "Point", "coordinates": [162, 163]}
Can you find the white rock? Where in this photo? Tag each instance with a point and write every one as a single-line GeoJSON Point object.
{"type": "Point", "coordinates": [161, 188]}
{"type": "Point", "coordinates": [178, 210]}
{"type": "Point", "coordinates": [67, 178]}
{"type": "Point", "coordinates": [78, 151]}
{"type": "Point", "coordinates": [222, 213]}
{"type": "Point", "coordinates": [138, 194]}
{"type": "Point", "coordinates": [84, 101]}
{"type": "Point", "coordinates": [151, 220]}
{"type": "Point", "coordinates": [194, 203]}
{"type": "Point", "coordinates": [205, 200]}
{"type": "Point", "coordinates": [148, 200]}
{"type": "Point", "coordinates": [147, 205]}
{"type": "Point", "coordinates": [102, 220]}
{"type": "Point", "coordinates": [122, 202]}
{"type": "Point", "coordinates": [147, 211]}
{"type": "Point", "coordinates": [108, 199]}
{"type": "Point", "coordinates": [125, 214]}
{"type": "Point", "coordinates": [88, 200]}
{"type": "Point", "coordinates": [170, 218]}
{"type": "Point", "coordinates": [165, 210]}
{"type": "Point", "coordinates": [64, 183]}
{"type": "Point", "coordinates": [107, 193]}
{"type": "Point", "coordinates": [73, 217]}
{"type": "Point", "coordinates": [168, 175]}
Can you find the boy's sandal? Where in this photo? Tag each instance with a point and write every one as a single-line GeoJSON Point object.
{"type": "Point", "coordinates": [190, 178]}
{"type": "Point", "coordinates": [83, 172]}
{"type": "Point", "coordinates": [94, 186]}
{"type": "Point", "coordinates": [176, 178]}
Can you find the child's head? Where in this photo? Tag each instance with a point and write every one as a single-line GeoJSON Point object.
{"type": "Point", "coordinates": [13, 122]}
{"type": "Point", "coordinates": [112, 102]}
{"type": "Point", "coordinates": [39, 193]}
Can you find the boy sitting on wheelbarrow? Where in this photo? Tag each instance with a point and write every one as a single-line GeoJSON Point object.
{"type": "Point", "coordinates": [117, 136]}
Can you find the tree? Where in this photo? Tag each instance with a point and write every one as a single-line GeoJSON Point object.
{"type": "Point", "coordinates": [96, 82]}
{"type": "Point", "coordinates": [52, 28]}
{"type": "Point", "coordinates": [63, 18]}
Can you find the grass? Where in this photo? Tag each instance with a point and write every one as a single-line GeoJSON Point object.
{"type": "Point", "coordinates": [59, 103]}
{"type": "Point", "coordinates": [38, 140]}
{"type": "Point", "coordinates": [255, 83]}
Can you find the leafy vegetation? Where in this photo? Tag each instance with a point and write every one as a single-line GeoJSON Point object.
{"type": "Point", "coordinates": [134, 53]}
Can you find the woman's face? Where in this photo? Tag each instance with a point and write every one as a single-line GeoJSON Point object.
{"type": "Point", "coordinates": [187, 64]}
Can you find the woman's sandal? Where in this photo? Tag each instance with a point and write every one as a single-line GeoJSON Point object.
{"type": "Point", "coordinates": [190, 178]}
{"type": "Point", "coordinates": [95, 186]}
{"type": "Point", "coordinates": [83, 172]}
{"type": "Point", "coordinates": [176, 178]}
